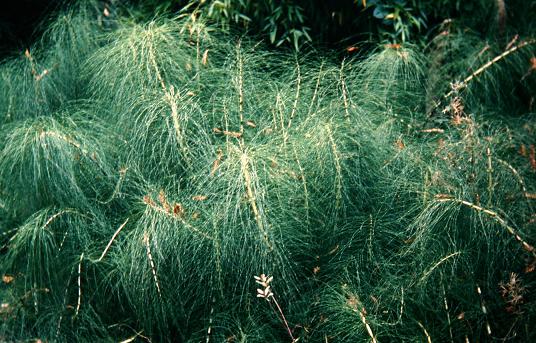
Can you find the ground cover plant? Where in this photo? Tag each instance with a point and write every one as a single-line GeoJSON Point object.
{"type": "Point", "coordinates": [161, 181]}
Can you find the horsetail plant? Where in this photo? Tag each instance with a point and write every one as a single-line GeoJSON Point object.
{"type": "Point", "coordinates": [149, 168]}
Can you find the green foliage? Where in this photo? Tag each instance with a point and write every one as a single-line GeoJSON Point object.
{"type": "Point", "coordinates": [150, 174]}
{"type": "Point", "coordinates": [48, 161]}
{"type": "Point", "coordinates": [281, 21]}
{"type": "Point", "coordinates": [298, 23]}
{"type": "Point", "coordinates": [399, 18]}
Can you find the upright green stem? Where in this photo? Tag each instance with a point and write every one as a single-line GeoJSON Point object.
{"type": "Point", "coordinates": [240, 88]}
{"type": "Point", "coordinates": [490, 177]}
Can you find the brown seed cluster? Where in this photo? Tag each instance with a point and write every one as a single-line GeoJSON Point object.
{"type": "Point", "coordinates": [512, 292]}
{"type": "Point", "coordinates": [177, 210]}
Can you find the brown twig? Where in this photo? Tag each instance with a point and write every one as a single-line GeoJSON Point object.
{"type": "Point", "coordinates": [266, 293]}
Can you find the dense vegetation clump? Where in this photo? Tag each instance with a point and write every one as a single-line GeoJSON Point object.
{"type": "Point", "coordinates": [150, 170]}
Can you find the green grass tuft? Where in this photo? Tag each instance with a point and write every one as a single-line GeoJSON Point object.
{"type": "Point", "coordinates": [148, 170]}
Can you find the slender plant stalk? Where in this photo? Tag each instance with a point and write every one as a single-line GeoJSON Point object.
{"type": "Point", "coordinates": [519, 179]}
{"type": "Point", "coordinates": [528, 247]}
{"type": "Point", "coordinates": [317, 86]}
{"type": "Point", "coordinates": [484, 309]}
{"type": "Point", "coordinates": [496, 59]}
{"type": "Point", "coordinates": [338, 181]}
{"type": "Point", "coordinates": [344, 90]}
{"type": "Point", "coordinates": [489, 170]}
{"type": "Point", "coordinates": [66, 293]}
{"type": "Point", "coordinates": [55, 216]}
{"type": "Point", "coordinates": [462, 85]}
{"type": "Point", "coordinates": [267, 294]}
{"type": "Point", "coordinates": [156, 68]}
{"type": "Point", "coordinates": [426, 334]}
{"type": "Point", "coordinates": [112, 239]}
{"type": "Point", "coordinates": [210, 319]}
{"type": "Point", "coordinates": [367, 325]}
{"type": "Point", "coordinates": [79, 302]}
{"type": "Point", "coordinates": [429, 271]}
{"type": "Point", "coordinates": [280, 106]}
{"type": "Point", "coordinates": [244, 160]}
{"type": "Point", "coordinates": [446, 304]}
{"type": "Point", "coordinates": [240, 87]}
{"type": "Point", "coordinates": [68, 140]}
{"type": "Point", "coordinates": [171, 97]}
{"type": "Point", "coordinates": [304, 182]}
{"type": "Point", "coordinates": [151, 262]}
{"type": "Point", "coordinates": [297, 97]}
{"type": "Point", "coordinates": [283, 318]}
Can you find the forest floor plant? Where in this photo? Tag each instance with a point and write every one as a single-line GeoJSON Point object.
{"type": "Point", "coordinates": [149, 170]}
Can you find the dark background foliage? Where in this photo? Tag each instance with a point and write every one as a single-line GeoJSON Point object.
{"type": "Point", "coordinates": [295, 23]}
{"type": "Point", "coordinates": [19, 22]}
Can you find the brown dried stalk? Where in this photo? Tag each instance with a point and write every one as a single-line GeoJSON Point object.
{"type": "Point", "coordinates": [532, 156]}
{"type": "Point", "coordinates": [233, 134]}
{"type": "Point", "coordinates": [266, 293]}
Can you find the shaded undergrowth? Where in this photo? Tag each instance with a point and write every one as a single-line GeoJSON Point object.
{"type": "Point", "coordinates": [149, 170]}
